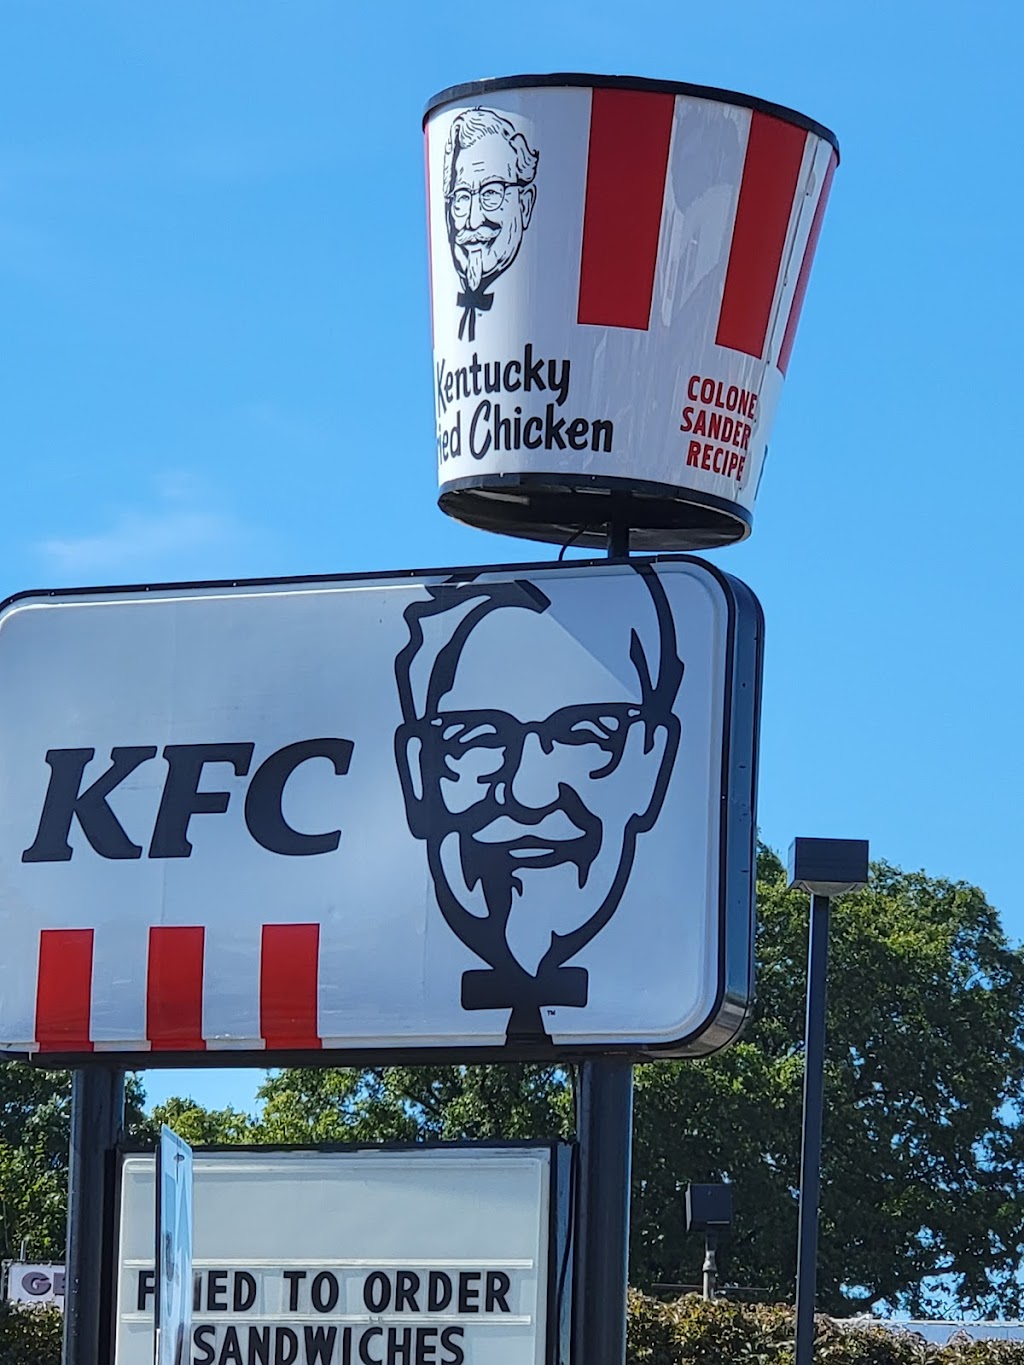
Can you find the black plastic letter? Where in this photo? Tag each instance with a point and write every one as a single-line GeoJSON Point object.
{"type": "Point", "coordinates": [65, 801]}
{"type": "Point", "coordinates": [182, 798]}
{"type": "Point", "coordinates": [263, 813]}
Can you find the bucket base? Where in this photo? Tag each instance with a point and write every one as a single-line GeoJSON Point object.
{"type": "Point", "coordinates": [580, 510]}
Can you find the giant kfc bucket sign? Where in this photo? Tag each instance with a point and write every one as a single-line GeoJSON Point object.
{"type": "Point", "coordinates": [617, 271]}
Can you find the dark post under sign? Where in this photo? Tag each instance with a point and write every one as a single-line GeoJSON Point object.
{"type": "Point", "coordinates": [824, 868]}
{"type": "Point", "coordinates": [604, 1128]}
{"type": "Point", "coordinates": [97, 1121]}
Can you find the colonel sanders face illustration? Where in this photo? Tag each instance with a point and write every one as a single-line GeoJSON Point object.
{"type": "Point", "coordinates": [489, 194]}
{"type": "Point", "coordinates": [536, 746]}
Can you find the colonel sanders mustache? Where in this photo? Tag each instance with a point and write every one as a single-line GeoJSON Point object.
{"type": "Point", "coordinates": [471, 246]}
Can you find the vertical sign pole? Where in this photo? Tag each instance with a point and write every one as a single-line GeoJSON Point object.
{"type": "Point", "coordinates": [810, 1154]}
{"type": "Point", "coordinates": [605, 1133]}
{"type": "Point", "coordinates": [97, 1120]}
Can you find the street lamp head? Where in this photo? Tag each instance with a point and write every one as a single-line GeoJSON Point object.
{"type": "Point", "coordinates": [828, 867]}
{"type": "Point", "coordinates": [708, 1208]}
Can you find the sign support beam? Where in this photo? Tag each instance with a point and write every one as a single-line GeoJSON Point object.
{"type": "Point", "coordinates": [604, 1128]}
{"type": "Point", "coordinates": [97, 1123]}
{"type": "Point", "coordinates": [605, 1132]}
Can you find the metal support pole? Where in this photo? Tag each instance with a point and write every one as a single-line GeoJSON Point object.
{"type": "Point", "coordinates": [618, 530]}
{"type": "Point", "coordinates": [601, 1275]}
{"type": "Point", "coordinates": [810, 1153]}
{"type": "Point", "coordinates": [604, 1129]}
{"type": "Point", "coordinates": [97, 1121]}
{"type": "Point", "coordinates": [709, 1270]}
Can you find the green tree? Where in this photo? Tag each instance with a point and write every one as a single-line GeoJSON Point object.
{"type": "Point", "coordinates": [30, 1336]}
{"type": "Point", "coordinates": [923, 1161]}
{"type": "Point", "coordinates": [35, 1128]}
{"type": "Point", "coordinates": [415, 1103]}
{"type": "Point", "coordinates": [923, 1155]}
{"type": "Point", "coordinates": [198, 1126]}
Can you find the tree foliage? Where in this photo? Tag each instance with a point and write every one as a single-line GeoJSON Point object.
{"type": "Point", "coordinates": [198, 1126]}
{"type": "Point", "coordinates": [415, 1104]}
{"type": "Point", "coordinates": [923, 1160]}
{"type": "Point", "coordinates": [690, 1331]}
{"type": "Point", "coordinates": [35, 1128]}
{"type": "Point", "coordinates": [30, 1336]}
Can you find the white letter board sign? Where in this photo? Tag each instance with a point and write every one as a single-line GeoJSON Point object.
{"type": "Point", "coordinates": [430, 1256]}
{"type": "Point", "coordinates": [501, 811]}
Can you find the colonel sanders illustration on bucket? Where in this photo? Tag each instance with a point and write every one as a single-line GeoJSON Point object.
{"type": "Point", "coordinates": [489, 197]}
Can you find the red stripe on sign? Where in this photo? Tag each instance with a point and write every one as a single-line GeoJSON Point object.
{"type": "Point", "coordinates": [289, 975]}
{"type": "Point", "coordinates": [805, 266]}
{"type": "Point", "coordinates": [630, 132]}
{"type": "Point", "coordinates": [174, 990]}
{"type": "Point", "coordinates": [64, 990]}
{"type": "Point", "coordinates": [770, 172]}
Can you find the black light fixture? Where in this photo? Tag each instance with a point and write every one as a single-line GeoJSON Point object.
{"type": "Point", "coordinates": [709, 1210]}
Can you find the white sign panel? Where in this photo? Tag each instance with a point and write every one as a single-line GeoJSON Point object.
{"type": "Point", "coordinates": [173, 1249]}
{"type": "Point", "coordinates": [35, 1284]}
{"type": "Point", "coordinates": [617, 271]}
{"type": "Point", "coordinates": [494, 809]}
{"type": "Point", "coordinates": [428, 1257]}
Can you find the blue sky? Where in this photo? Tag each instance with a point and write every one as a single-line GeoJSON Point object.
{"type": "Point", "coordinates": [214, 351]}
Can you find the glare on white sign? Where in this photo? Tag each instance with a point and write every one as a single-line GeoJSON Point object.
{"type": "Point", "coordinates": [431, 1257]}
{"type": "Point", "coordinates": [490, 809]}
{"type": "Point", "coordinates": [173, 1249]}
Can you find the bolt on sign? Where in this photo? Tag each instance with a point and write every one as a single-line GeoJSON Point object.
{"type": "Point", "coordinates": [434, 1256]}
{"type": "Point", "coordinates": [617, 272]}
{"type": "Point", "coordinates": [470, 812]}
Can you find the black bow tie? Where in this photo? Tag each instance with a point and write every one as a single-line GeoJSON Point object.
{"type": "Point", "coordinates": [471, 302]}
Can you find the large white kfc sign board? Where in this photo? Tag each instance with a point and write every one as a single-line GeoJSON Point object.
{"type": "Point", "coordinates": [617, 273]}
{"type": "Point", "coordinates": [501, 810]}
{"type": "Point", "coordinates": [435, 1256]}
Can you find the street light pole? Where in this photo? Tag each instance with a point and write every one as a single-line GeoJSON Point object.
{"type": "Point", "coordinates": [824, 868]}
{"type": "Point", "coordinates": [810, 1146]}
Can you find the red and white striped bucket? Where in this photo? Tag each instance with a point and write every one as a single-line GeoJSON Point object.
{"type": "Point", "coordinates": [617, 269]}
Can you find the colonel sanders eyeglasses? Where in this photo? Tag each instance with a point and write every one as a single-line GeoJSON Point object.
{"type": "Point", "coordinates": [460, 734]}
{"type": "Point", "coordinates": [490, 195]}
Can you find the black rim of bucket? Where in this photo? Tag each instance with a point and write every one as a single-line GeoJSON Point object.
{"type": "Point", "coordinates": [576, 509]}
{"type": "Point", "coordinates": [470, 89]}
